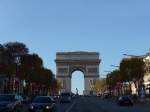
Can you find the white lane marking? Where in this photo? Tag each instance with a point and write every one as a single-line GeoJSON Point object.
{"type": "Point", "coordinates": [69, 108]}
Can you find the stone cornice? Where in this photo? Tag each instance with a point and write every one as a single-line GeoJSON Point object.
{"type": "Point", "coordinates": [92, 76]}
{"type": "Point", "coordinates": [77, 53]}
{"type": "Point", "coordinates": [69, 76]}
{"type": "Point", "coordinates": [63, 76]}
{"type": "Point", "coordinates": [78, 61]}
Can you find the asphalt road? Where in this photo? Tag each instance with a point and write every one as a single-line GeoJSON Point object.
{"type": "Point", "coordinates": [95, 104]}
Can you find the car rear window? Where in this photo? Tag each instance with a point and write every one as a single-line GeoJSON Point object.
{"type": "Point", "coordinates": [42, 100]}
{"type": "Point", "coordinates": [125, 98]}
{"type": "Point", "coordinates": [7, 97]}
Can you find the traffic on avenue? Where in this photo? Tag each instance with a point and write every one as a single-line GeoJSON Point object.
{"type": "Point", "coordinates": [68, 103]}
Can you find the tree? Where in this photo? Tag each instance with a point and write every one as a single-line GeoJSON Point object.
{"type": "Point", "coordinates": [46, 77]}
{"type": "Point", "coordinates": [55, 86]}
{"type": "Point", "coordinates": [10, 51]}
{"type": "Point", "coordinates": [100, 85]}
{"type": "Point", "coordinates": [29, 64]}
{"type": "Point", "coordinates": [132, 70]}
{"type": "Point", "coordinates": [2, 60]}
{"type": "Point", "coordinates": [114, 77]}
{"type": "Point", "coordinates": [30, 69]}
{"type": "Point", "coordinates": [16, 48]}
{"type": "Point", "coordinates": [112, 80]}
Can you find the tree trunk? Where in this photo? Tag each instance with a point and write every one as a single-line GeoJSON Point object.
{"type": "Point", "coordinates": [130, 91]}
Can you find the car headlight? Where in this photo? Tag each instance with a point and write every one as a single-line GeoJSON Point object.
{"type": "Point", "coordinates": [31, 107]}
{"type": "Point", "coordinates": [48, 107]}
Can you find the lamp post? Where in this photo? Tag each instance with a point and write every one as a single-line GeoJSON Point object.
{"type": "Point", "coordinates": [17, 63]}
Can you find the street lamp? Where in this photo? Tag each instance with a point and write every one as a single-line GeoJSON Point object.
{"type": "Point", "coordinates": [17, 63]}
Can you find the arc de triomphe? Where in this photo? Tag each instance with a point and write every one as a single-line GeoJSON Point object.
{"type": "Point", "coordinates": [86, 62]}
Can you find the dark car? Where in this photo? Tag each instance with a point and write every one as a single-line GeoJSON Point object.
{"type": "Point", "coordinates": [124, 100]}
{"type": "Point", "coordinates": [43, 104]}
{"type": "Point", "coordinates": [56, 97]}
{"type": "Point", "coordinates": [65, 97]}
{"type": "Point", "coordinates": [25, 99]}
{"type": "Point", "coordinates": [106, 96]}
{"type": "Point", "coordinates": [10, 103]}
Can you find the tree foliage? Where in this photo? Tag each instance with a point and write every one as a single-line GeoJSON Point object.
{"type": "Point", "coordinates": [114, 77]}
{"type": "Point", "coordinates": [99, 84]}
{"type": "Point", "coordinates": [9, 51]}
{"type": "Point", "coordinates": [132, 68]}
{"type": "Point", "coordinates": [29, 68]}
{"type": "Point", "coordinates": [16, 48]}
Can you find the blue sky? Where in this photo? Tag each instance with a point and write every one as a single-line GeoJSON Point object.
{"type": "Point", "coordinates": [110, 27]}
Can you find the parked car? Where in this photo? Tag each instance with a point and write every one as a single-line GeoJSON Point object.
{"type": "Point", "coordinates": [105, 96]}
{"type": "Point", "coordinates": [10, 103]}
{"type": "Point", "coordinates": [124, 100]}
{"type": "Point", "coordinates": [65, 97]}
{"type": "Point", "coordinates": [43, 104]}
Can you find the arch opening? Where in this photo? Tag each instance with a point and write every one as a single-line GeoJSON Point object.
{"type": "Point", "coordinates": [77, 82]}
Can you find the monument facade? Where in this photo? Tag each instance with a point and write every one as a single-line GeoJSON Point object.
{"type": "Point", "coordinates": [69, 62]}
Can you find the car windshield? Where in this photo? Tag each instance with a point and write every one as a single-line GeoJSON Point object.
{"type": "Point", "coordinates": [42, 100]}
{"type": "Point", "coordinates": [6, 97]}
{"type": "Point", "coordinates": [125, 98]}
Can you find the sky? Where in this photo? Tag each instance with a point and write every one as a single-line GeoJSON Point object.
{"type": "Point", "coordinates": [110, 27]}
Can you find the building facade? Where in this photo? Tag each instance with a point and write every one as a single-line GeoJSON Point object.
{"type": "Point", "coordinates": [146, 77]}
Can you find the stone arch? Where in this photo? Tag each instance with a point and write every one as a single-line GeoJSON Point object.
{"type": "Point", "coordinates": [77, 68]}
{"type": "Point", "coordinates": [68, 62]}
{"type": "Point", "coordinates": [77, 81]}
